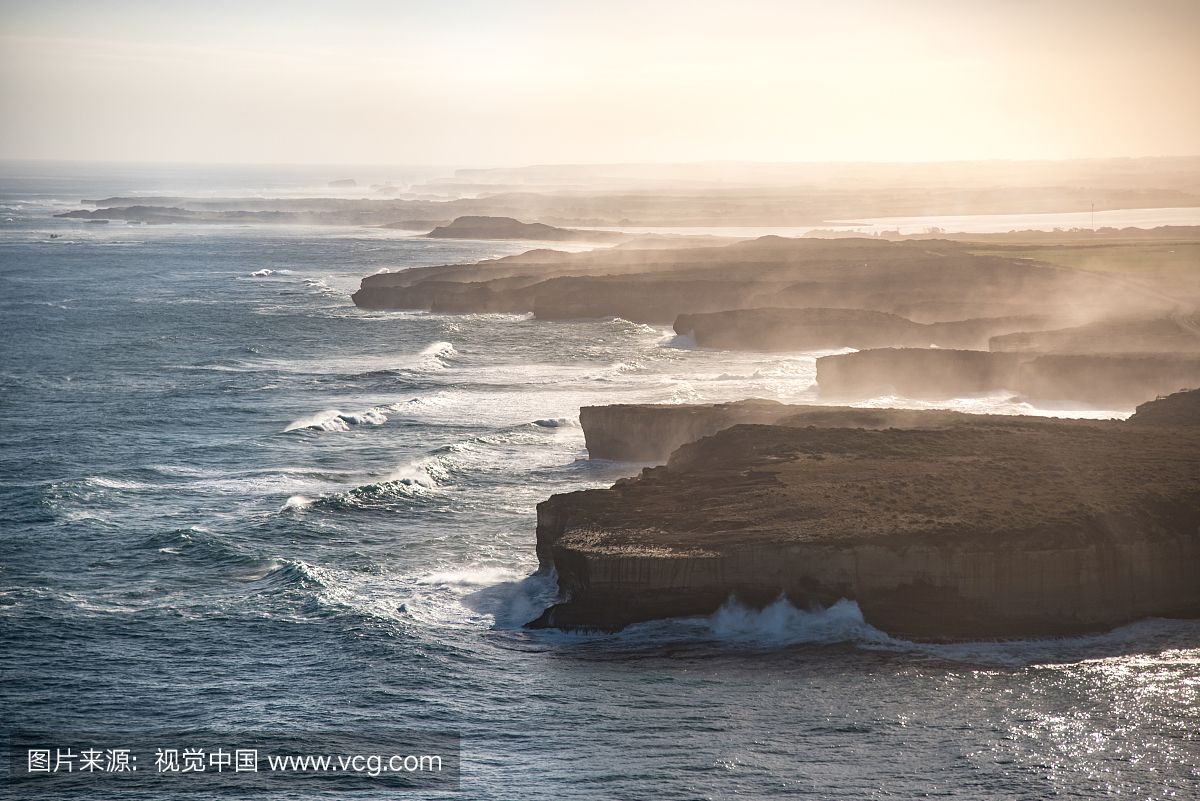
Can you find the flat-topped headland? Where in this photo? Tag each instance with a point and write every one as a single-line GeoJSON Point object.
{"type": "Point", "coordinates": [791, 329]}
{"type": "Point", "coordinates": [991, 528]}
{"type": "Point", "coordinates": [506, 228]}
{"type": "Point", "coordinates": [1156, 335]}
{"type": "Point", "coordinates": [657, 286]}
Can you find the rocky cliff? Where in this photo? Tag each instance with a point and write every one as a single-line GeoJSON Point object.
{"type": "Point", "coordinates": [1130, 336]}
{"type": "Point", "coordinates": [977, 531]}
{"type": "Point", "coordinates": [920, 371]}
{"type": "Point", "coordinates": [785, 329]}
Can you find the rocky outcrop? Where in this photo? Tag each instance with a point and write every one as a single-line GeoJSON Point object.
{"type": "Point", "coordinates": [508, 228]}
{"type": "Point", "coordinates": [781, 329]}
{"type": "Point", "coordinates": [1034, 528]}
{"type": "Point", "coordinates": [1180, 410]}
{"type": "Point", "coordinates": [920, 371]}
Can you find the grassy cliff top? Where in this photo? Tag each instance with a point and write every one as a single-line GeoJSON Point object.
{"type": "Point", "coordinates": [1026, 483]}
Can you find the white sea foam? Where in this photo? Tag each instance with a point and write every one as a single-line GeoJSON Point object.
{"type": "Point", "coordinates": [506, 598]}
{"type": "Point", "coordinates": [734, 377]}
{"type": "Point", "coordinates": [419, 473]}
{"type": "Point", "coordinates": [296, 503]}
{"type": "Point", "coordinates": [780, 623]}
{"type": "Point", "coordinates": [439, 349]}
{"type": "Point", "coordinates": [478, 577]}
{"type": "Point", "coordinates": [433, 357]}
{"type": "Point", "coordinates": [680, 342]}
{"type": "Point", "coordinates": [264, 273]}
{"type": "Point", "coordinates": [117, 483]}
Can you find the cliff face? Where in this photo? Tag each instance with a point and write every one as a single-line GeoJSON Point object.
{"type": "Point", "coordinates": [1117, 381]}
{"type": "Point", "coordinates": [815, 329]}
{"type": "Point", "coordinates": [916, 371]}
{"type": "Point", "coordinates": [1033, 528]}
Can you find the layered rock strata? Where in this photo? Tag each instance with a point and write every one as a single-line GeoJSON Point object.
{"type": "Point", "coordinates": [1032, 528]}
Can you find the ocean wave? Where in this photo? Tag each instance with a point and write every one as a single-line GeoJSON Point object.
{"type": "Point", "coordinates": [557, 422]}
{"type": "Point", "coordinates": [264, 273]}
{"type": "Point", "coordinates": [296, 573]}
{"type": "Point", "coordinates": [334, 420]}
{"type": "Point", "coordinates": [406, 482]}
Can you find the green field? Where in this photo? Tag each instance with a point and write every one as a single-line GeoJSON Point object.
{"type": "Point", "coordinates": [1179, 260]}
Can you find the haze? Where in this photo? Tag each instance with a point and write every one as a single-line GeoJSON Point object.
{"type": "Point", "coordinates": [489, 83]}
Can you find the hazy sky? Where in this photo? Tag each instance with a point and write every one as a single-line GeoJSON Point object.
{"type": "Point", "coordinates": [514, 83]}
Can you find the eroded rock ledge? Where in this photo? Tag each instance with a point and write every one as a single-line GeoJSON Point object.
{"type": "Point", "coordinates": [1027, 528]}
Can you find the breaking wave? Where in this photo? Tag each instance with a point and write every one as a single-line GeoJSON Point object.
{"type": "Point", "coordinates": [334, 420]}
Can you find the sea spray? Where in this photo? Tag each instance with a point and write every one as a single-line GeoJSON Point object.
{"type": "Point", "coordinates": [780, 623]}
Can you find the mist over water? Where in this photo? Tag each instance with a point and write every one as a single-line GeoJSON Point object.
{"type": "Point", "coordinates": [229, 499]}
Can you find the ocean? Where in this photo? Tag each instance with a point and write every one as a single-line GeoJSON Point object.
{"type": "Point", "coordinates": [231, 501]}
